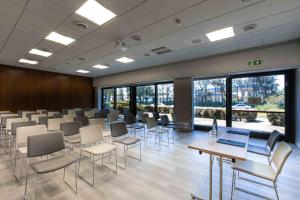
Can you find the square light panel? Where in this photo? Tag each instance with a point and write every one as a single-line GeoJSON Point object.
{"type": "Point", "coordinates": [95, 12]}
{"type": "Point", "coordinates": [124, 60]}
{"type": "Point", "coordinates": [100, 66]}
{"type": "Point", "coordinates": [82, 71]}
{"type": "Point", "coordinates": [58, 38]}
{"type": "Point", "coordinates": [40, 52]}
{"type": "Point", "coordinates": [26, 61]}
{"type": "Point", "coordinates": [220, 34]}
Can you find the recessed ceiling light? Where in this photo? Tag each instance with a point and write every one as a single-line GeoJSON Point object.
{"type": "Point", "coordinates": [101, 66]}
{"type": "Point", "coordinates": [58, 38]}
{"type": "Point", "coordinates": [31, 62]}
{"type": "Point", "coordinates": [124, 60]}
{"type": "Point", "coordinates": [95, 12]}
{"type": "Point", "coordinates": [220, 34]}
{"type": "Point", "coordinates": [40, 52]}
{"type": "Point", "coordinates": [82, 71]}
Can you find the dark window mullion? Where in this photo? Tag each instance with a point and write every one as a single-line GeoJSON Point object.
{"type": "Point", "coordinates": [229, 101]}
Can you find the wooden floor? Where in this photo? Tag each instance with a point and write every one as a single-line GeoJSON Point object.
{"type": "Point", "coordinates": [172, 173]}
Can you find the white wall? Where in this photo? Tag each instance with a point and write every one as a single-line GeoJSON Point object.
{"type": "Point", "coordinates": [274, 57]}
{"type": "Point", "coordinates": [297, 107]}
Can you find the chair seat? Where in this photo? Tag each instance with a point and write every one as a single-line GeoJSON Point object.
{"type": "Point", "coordinates": [138, 126]}
{"type": "Point", "coordinates": [22, 150]}
{"type": "Point", "coordinates": [106, 133]}
{"type": "Point", "coordinates": [73, 140]}
{"type": "Point", "coordinates": [128, 140]}
{"type": "Point", "coordinates": [258, 150]}
{"type": "Point", "coordinates": [53, 164]}
{"type": "Point", "coordinates": [255, 168]}
{"type": "Point", "coordinates": [100, 149]}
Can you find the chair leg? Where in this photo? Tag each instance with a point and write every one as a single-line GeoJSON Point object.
{"type": "Point", "coordinates": [35, 196]}
{"type": "Point", "coordinates": [26, 178]}
{"type": "Point", "coordinates": [125, 156]}
{"type": "Point", "coordinates": [275, 187]}
{"type": "Point", "coordinates": [233, 183]}
{"type": "Point", "coordinates": [116, 161]}
{"type": "Point", "coordinates": [93, 169]}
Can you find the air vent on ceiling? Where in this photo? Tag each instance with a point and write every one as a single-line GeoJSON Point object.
{"type": "Point", "coordinates": [81, 25]}
{"type": "Point", "coordinates": [161, 50]}
{"type": "Point", "coordinates": [81, 58]}
{"type": "Point", "coordinates": [249, 27]}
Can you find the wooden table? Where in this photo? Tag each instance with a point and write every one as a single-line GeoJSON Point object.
{"type": "Point", "coordinates": [210, 146]}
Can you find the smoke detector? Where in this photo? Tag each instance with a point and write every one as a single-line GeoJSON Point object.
{"type": "Point", "coordinates": [249, 27]}
{"type": "Point", "coordinates": [81, 58]}
{"type": "Point", "coordinates": [121, 45]}
{"type": "Point", "coordinates": [178, 21]}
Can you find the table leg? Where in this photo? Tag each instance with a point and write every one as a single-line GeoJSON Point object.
{"type": "Point", "coordinates": [210, 176]}
{"type": "Point", "coordinates": [221, 177]}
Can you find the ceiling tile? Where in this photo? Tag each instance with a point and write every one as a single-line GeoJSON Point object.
{"type": "Point", "coordinates": [9, 9]}
{"type": "Point", "coordinates": [72, 5]}
{"type": "Point", "coordinates": [119, 6]}
{"type": "Point", "coordinates": [279, 6]}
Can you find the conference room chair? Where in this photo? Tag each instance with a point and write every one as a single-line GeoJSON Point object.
{"type": "Point", "coordinates": [127, 111]}
{"type": "Point", "coordinates": [6, 115]}
{"type": "Point", "coordinates": [11, 138]}
{"type": "Point", "coordinates": [54, 124]}
{"type": "Point", "coordinates": [64, 111]}
{"type": "Point", "coordinates": [157, 131]}
{"type": "Point", "coordinates": [156, 116]}
{"type": "Point", "coordinates": [165, 122]}
{"type": "Point", "coordinates": [69, 118]}
{"type": "Point", "coordinates": [36, 117]}
{"type": "Point", "coordinates": [44, 120]}
{"type": "Point", "coordinates": [268, 148]}
{"type": "Point", "coordinates": [4, 112]}
{"type": "Point", "coordinates": [79, 113]}
{"type": "Point", "coordinates": [119, 134]}
{"type": "Point", "coordinates": [114, 112]}
{"type": "Point", "coordinates": [132, 124]}
{"type": "Point", "coordinates": [43, 145]}
{"type": "Point", "coordinates": [58, 115]}
{"type": "Point", "coordinates": [71, 112]}
{"type": "Point", "coordinates": [260, 170]}
{"type": "Point", "coordinates": [101, 122]}
{"type": "Point", "coordinates": [91, 143]}
{"type": "Point", "coordinates": [24, 113]}
{"type": "Point", "coordinates": [22, 133]}
{"type": "Point", "coordinates": [100, 115]}
{"type": "Point", "coordinates": [3, 119]}
{"type": "Point", "coordinates": [111, 117]}
{"type": "Point", "coordinates": [84, 121]}
{"type": "Point", "coordinates": [89, 114]}
{"type": "Point", "coordinates": [41, 111]}
{"type": "Point", "coordinates": [71, 133]}
{"type": "Point", "coordinates": [51, 113]}
{"type": "Point", "coordinates": [28, 115]}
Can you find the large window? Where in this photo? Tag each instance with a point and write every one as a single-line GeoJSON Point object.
{"type": "Point", "coordinates": [210, 101]}
{"type": "Point", "coordinates": [145, 98]}
{"type": "Point", "coordinates": [258, 103]}
{"type": "Point", "coordinates": [108, 98]}
{"type": "Point", "coordinates": [123, 99]}
{"type": "Point", "coordinates": [165, 98]}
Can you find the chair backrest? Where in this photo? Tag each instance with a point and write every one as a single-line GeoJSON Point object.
{"type": "Point", "coordinates": [12, 120]}
{"type": "Point", "coordinates": [273, 138]}
{"type": "Point", "coordinates": [41, 111]}
{"type": "Point", "coordinates": [173, 117]}
{"type": "Point", "coordinates": [51, 113]}
{"type": "Point", "coordinates": [4, 112]}
{"type": "Point", "coordinates": [24, 113]}
{"type": "Point", "coordinates": [6, 115]}
{"type": "Point", "coordinates": [72, 112]}
{"type": "Point", "coordinates": [16, 125]}
{"type": "Point", "coordinates": [28, 115]}
{"type": "Point", "coordinates": [84, 121]}
{"type": "Point", "coordinates": [97, 121]}
{"type": "Point", "coordinates": [112, 111]}
{"type": "Point", "coordinates": [129, 119]}
{"type": "Point", "coordinates": [70, 128]}
{"type": "Point", "coordinates": [118, 129]}
{"type": "Point", "coordinates": [155, 115]}
{"type": "Point", "coordinates": [90, 134]}
{"type": "Point", "coordinates": [88, 114]}
{"type": "Point", "coordinates": [44, 120]}
{"type": "Point", "coordinates": [54, 124]}
{"type": "Point", "coordinates": [144, 118]}
{"type": "Point", "coordinates": [126, 111]}
{"type": "Point", "coordinates": [100, 115]}
{"type": "Point", "coordinates": [164, 120]}
{"type": "Point", "coordinates": [58, 115]}
{"type": "Point", "coordinates": [151, 123]}
{"type": "Point", "coordinates": [64, 111]}
{"type": "Point", "coordinates": [79, 113]}
{"type": "Point", "coordinates": [112, 117]}
{"type": "Point", "coordinates": [24, 132]}
{"type": "Point", "coordinates": [36, 117]}
{"type": "Point", "coordinates": [40, 145]}
{"type": "Point", "coordinates": [281, 154]}
{"type": "Point", "coordinates": [4, 119]}
{"type": "Point", "coordinates": [69, 118]}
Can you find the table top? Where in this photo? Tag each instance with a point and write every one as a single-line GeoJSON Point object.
{"type": "Point", "coordinates": [209, 144]}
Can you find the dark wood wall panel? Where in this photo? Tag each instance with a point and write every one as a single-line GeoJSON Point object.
{"type": "Point", "coordinates": [26, 89]}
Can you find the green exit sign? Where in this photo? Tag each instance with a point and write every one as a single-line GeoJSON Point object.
{"type": "Point", "coordinates": [255, 62]}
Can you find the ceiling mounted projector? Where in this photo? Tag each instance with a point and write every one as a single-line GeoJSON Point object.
{"type": "Point", "coordinates": [120, 44]}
